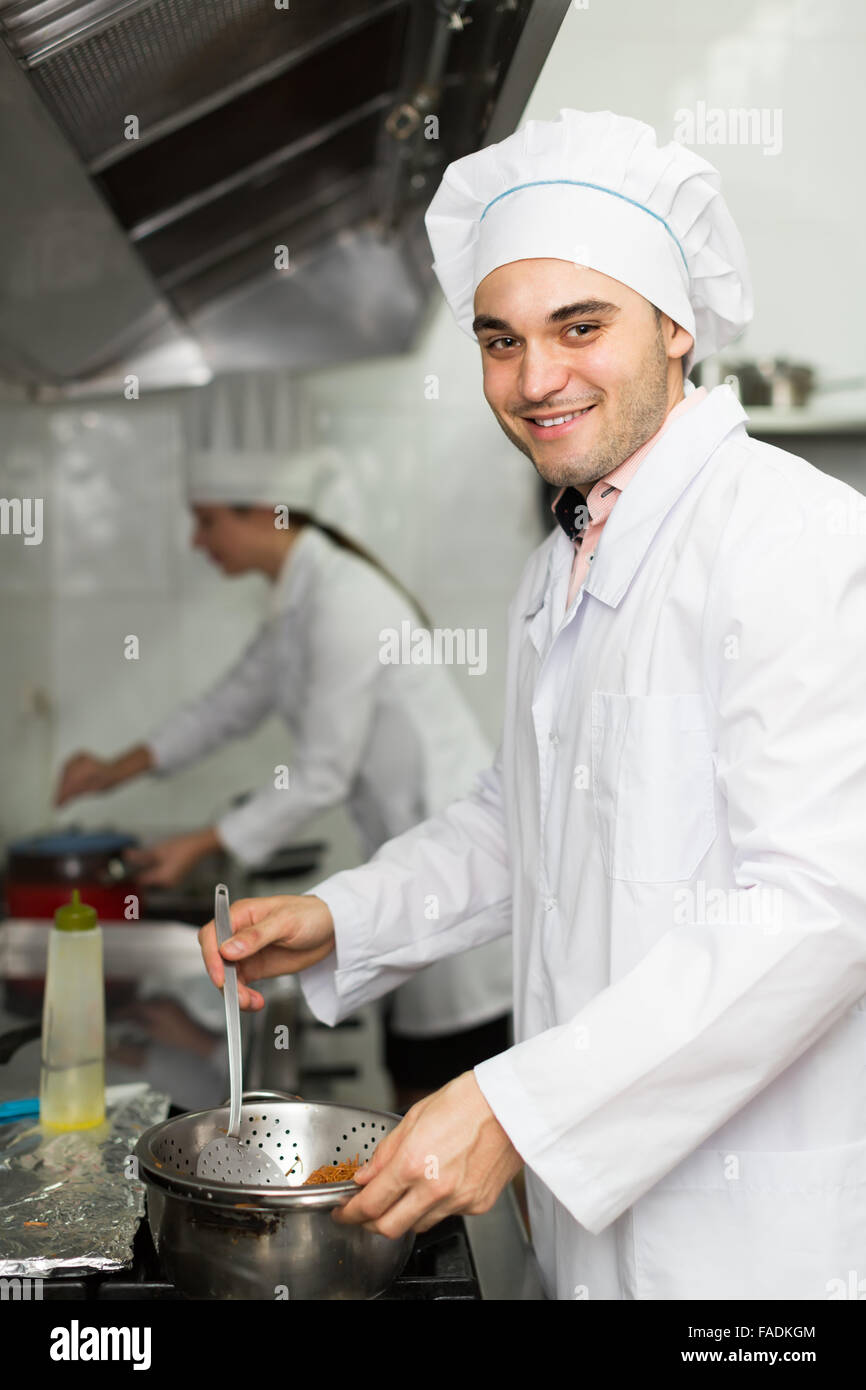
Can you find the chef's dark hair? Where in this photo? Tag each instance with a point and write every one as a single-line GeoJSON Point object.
{"type": "Point", "coordinates": [305, 519]}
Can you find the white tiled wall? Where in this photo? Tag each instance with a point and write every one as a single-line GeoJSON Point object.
{"type": "Point", "coordinates": [114, 562]}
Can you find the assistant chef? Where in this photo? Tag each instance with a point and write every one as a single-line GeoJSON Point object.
{"type": "Point", "coordinates": [393, 741]}
{"type": "Point", "coordinates": [685, 725]}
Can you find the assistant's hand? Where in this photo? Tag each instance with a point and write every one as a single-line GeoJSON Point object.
{"type": "Point", "coordinates": [450, 1154]}
{"type": "Point", "coordinates": [166, 863]}
{"type": "Point", "coordinates": [83, 774]}
{"type": "Point", "coordinates": [272, 936]}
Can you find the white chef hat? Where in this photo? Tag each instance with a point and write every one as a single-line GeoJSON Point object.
{"type": "Point", "coordinates": [301, 479]}
{"type": "Point", "coordinates": [595, 189]}
{"type": "Point", "coordinates": [241, 434]}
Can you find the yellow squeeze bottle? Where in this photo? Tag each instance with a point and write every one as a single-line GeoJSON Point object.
{"type": "Point", "coordinates": [72, 1088]}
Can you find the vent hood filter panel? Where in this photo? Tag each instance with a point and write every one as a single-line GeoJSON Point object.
{"type": "Point", "coordinates": [230, 142]}
{"type": "Point", "coordinates": [95, 63]}
{"type": "Point", "coordinates": [272, 206]}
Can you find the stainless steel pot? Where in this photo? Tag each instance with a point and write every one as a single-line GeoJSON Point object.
{"type": "Point", "coordinates": [227, 1241]}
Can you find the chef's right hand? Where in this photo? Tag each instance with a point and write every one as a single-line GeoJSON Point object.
{"type": "Point", "coordinates": [83, 773]}
{"type": "Point", "coordinates": [271, 936]}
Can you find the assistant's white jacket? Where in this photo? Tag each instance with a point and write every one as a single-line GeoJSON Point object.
{"type": "Point", "coordinates": [676, 823]}
{"type": "Point", "coordinates": [394, 742]}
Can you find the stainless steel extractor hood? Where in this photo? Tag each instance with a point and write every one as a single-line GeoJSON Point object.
{"type": "Point", "coordinates": [156, 157]}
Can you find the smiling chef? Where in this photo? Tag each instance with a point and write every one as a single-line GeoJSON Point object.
{"type": "Point", "coordinates": [675, 824]}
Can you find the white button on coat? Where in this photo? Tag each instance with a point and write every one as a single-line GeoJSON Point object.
{"type": "Point", "coordinates": [688, 1088]}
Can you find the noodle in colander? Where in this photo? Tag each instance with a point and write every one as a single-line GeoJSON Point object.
{"type": "Point", "coordinates": [334, 1172]}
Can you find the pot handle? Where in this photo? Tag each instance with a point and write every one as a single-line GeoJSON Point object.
{"type": "Point", "coordinates": [10, 1042]}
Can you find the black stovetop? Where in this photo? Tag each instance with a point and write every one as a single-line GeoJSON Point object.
{"type": "Point", "coordinates": [440, 1267]}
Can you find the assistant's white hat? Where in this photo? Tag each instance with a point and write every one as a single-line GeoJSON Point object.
{"type": "Point", "coordinates": [241, 435]}
{"type": "Point", "coordinates": [300, 479]}
{"type": "Point", "coordinates": [595, 189]}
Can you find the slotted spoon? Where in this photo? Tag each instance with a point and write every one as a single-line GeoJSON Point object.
{"type": "Point", "coordinates": [226, 1159]}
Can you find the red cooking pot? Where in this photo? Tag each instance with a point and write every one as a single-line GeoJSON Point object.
{"type": "Point", "coordinates": [41, 873]}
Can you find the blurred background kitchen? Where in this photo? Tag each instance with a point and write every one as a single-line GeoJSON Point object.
{"type": "Point", "coordinates": [212, 220]}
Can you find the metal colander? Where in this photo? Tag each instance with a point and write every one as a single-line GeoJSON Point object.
{"type": "Point", "coordinates": [299, 1135]}
{"type": "Point", "coordinates": [217, 1238]}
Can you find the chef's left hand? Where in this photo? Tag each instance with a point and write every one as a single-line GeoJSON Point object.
{"type": "Point", "coordinates": [450, 1154]}
{"type": "Point", "coordinates": [164, 864]}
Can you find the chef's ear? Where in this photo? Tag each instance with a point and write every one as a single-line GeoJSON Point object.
{"type": "Point", "coordinates": [678, 341]}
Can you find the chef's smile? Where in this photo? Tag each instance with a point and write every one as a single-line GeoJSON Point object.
{"type": "Point", "coordinates": [549, 427]}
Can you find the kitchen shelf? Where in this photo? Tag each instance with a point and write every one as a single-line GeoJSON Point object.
{"type": "Point", "coordinates": [764, 419]}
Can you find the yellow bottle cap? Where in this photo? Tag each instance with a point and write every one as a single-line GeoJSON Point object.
{"type": "Point", "coordinates": [75, 916]}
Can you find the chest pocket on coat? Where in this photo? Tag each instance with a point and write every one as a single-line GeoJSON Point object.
{"type": "Point", "coordinates": [652, 785]}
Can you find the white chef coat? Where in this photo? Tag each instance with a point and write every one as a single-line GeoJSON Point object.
{"type": "Point", "coordinates": [686, 744]}
{"type": "Point", "coordinates": [395, 742]}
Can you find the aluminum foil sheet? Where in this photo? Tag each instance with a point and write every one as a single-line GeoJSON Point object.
{"type": "Point", "coordinates": [68, 1203]}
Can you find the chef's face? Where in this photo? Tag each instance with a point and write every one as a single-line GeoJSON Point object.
{"type": "Point", "coordinates": [558, 340]}
{"type": "Point", "coordinates": [226, 535]}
